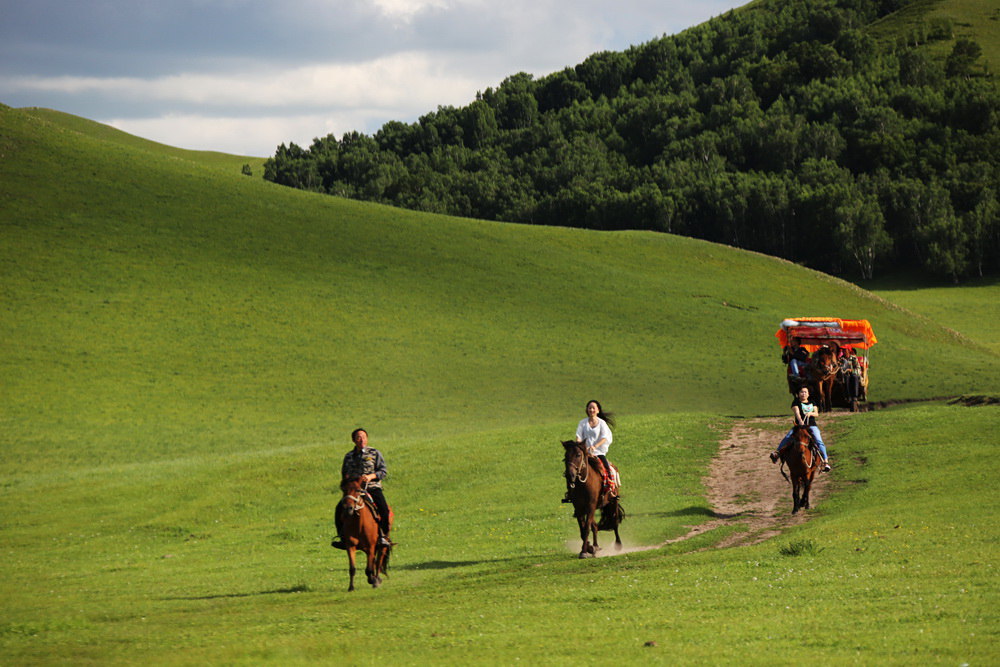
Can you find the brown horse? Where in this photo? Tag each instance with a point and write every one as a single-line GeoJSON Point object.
{"type": "Point", "coordinates": [802, 458]}
{"type": "Point", "coordinates": [823, 371]}
{"type": "Point", "coordinates": [359, 530]}
{"type": "Point", "coordinates": [583, 474]}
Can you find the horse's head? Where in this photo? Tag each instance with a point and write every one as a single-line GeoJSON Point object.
{"type": "Point", "coordinates": [801, 435]}
{"type": "Point", "coordinates": [575, 459]}
{"type": "Point", "coordinates": [350, 485]}
{"type": "Point", "coordinates": [825, 361]}
{"type": "Point", "coordinates": [353, 494]}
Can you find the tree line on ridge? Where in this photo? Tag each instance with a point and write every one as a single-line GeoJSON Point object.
{"type": "Point", "coordinates": [781, 127]}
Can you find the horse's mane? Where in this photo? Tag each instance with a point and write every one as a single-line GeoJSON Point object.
{"type": "Point", "coordinates": [824, 352]}
{"type": "Point", "coordinates": [591, 460]}
{"type": "Point", "coordinates": [810, 440]}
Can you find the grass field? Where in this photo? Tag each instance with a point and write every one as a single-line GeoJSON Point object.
{"type": "Point", "coordinates": [973, 309]}
{"type": "Point", "coordinates": [978, 20]}
{"type": "Point", "coordinates": [185, 351]}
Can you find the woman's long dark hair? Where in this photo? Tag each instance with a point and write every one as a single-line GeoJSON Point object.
{"type": "Point", "coordinates": [608, 417]}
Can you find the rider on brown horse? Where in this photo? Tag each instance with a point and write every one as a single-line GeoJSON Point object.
{"type": "Point", "coordinates": [804, 414]}
{"type": "Point", "coordinates": [367, 464]}
{"type": "Point", "coordinates": [595, 432]}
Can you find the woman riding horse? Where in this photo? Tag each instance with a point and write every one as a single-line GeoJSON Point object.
{"type": "Point", "coordinates": [594, 431]}
{"type": "Point", "coordinates": [802, 461]}
{"type": "Point", "coordinates": [586, 493]}
{"type": "Point", "coordinates": [804, 415]}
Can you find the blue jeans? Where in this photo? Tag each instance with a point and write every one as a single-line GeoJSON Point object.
{"type": "Point", "coordinates": [815, 434]}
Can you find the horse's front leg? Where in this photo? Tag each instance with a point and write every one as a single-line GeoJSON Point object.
{"type": "Point", "coordinates": [806, 485]}
{"type": "Point", "coordinates": [593, 530]}
{"type": "Point", "coordinates": [351, 567]}
{"type": "Point", "coordinates": [795, 496]}
{"type": "Point", "coordinates": [370, 570]}
{"type": "Point", "coordinates": [585, 548]}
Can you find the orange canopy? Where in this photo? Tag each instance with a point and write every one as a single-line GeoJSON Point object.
{"type": "Point", "coordinates": [812, 332]}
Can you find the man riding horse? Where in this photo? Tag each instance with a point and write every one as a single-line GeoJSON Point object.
{"type": "Point", "coordinates": [366, 463]}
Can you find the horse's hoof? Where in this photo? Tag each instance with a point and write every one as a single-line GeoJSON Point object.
{"type": "Point", "coordinates": [618, 546]}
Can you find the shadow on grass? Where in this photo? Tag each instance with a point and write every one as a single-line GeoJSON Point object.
{"type": "Point", "coordinates": [302, 588]}
{"type": "Point", "coordinates": [690, 511]}
{"type": "Point", "coordinates": [447, 564]}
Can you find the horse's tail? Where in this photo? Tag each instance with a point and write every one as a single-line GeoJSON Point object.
{"type": "Point", "coordinates": [612, 515]}
{"type": "Point", "coordinates": [385, 560]}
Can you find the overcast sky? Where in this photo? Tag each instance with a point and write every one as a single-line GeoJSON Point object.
{"type": "Point", "coordinates": [242, 76]}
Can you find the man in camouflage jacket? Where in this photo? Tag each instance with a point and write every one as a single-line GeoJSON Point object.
{"type": "Point", "coordinates": [367, 464]}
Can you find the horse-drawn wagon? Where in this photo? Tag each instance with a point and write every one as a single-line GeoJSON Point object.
{"type": "Point", "coordinates": [830, 356]}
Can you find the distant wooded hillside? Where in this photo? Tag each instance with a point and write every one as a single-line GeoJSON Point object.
{"type": "Point", "coordinates": [785, 127]}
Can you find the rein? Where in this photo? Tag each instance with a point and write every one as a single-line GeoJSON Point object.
{"type": "Point", "coordinates": [357, 501]}
{"type": "Point", "coordinates": [813, 451]}
{"type": "Point", "coordinates": [585, 475]}
{"type": "Point", "coordinates": [827, 369]}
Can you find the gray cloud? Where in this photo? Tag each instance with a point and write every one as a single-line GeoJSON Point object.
{"type": "Point", "coordinates": [223, 74]}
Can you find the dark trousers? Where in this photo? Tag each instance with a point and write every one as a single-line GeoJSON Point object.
{"type": "Point", "coordinates": [852, 386]}
{"type": "Point", "coordinates": [383, 508]}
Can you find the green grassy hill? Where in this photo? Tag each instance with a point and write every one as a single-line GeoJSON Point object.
{"type": "Point", "coordinates": [978, 20]}
{"type": "Point", "coordinates": [185, 350]}
{"type": "Point", "coordinates": [973, 310]}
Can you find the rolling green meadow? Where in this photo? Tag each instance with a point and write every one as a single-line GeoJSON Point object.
{"type": "Point", "coordinates": [185, 350]}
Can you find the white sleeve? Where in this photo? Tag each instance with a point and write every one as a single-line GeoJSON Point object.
{"type": "Point", "coordinates": [580, 432]}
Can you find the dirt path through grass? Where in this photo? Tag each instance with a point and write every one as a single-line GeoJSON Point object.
{"type": "Point", "coordinates": [745, 489]}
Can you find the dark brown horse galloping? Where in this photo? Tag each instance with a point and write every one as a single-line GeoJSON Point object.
{"type": "Point", "coordinates": [360, 532]}
{"type": "Point", "coordinates": [802, 457]}
{"type": "Point", "coordinates": [823, 371]}
{"type": "Point", "coordinates": [583, 475]}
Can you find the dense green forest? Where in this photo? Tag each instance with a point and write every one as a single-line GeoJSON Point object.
{"type": "Point", "coordinates": [784, 127]}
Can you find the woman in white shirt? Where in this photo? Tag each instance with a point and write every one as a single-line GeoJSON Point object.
{"type": "Point", "coordinates": [595, 432]}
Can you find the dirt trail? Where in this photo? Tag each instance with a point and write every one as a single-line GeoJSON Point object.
{"type": "Point", "coordinates": [745, 489]}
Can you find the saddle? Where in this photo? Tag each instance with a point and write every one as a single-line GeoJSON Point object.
{"type": "Point", "coordinates": [610, 484]}
{"type": "Point", "coordinates": [370, 502]}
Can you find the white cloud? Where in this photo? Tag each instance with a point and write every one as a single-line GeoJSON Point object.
{"type": "Point", "coordinates": [406, 9]}
{"type": "Point", "coordinates": [398, 80]}
{"type": "Point", "coordinates": [241, 76]}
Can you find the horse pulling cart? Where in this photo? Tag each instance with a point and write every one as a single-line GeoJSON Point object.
{"type": "Point", "coordinates": [830, 343]}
